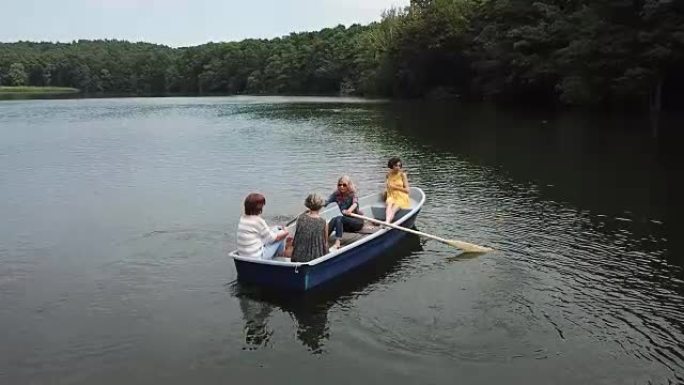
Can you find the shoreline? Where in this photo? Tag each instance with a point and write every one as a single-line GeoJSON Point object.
{"type": "Point", "coordinates": [30, 92]}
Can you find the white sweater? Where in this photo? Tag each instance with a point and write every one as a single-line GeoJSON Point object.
{"type": "Point", "coordinates": [252, 234]}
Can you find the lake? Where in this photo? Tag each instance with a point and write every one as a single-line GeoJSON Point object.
{"type": "Point", "coordinates": [117, 216]}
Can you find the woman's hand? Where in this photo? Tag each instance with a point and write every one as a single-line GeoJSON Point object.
{"type": "Point", "coordinates": [282, 235]}
{"type": "Point", "coordinates": [350, 210]}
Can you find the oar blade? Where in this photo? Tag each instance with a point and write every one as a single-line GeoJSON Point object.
{"type": "Point", "coordinates": [469, 247]}
{"type": "Point", "coordinates": [463, 256]}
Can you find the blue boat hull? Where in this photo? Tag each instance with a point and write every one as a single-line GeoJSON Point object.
{"type": "Point", "coordinates": [306, 277]}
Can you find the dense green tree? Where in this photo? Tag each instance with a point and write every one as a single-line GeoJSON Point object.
{"type": "Point", "coordinates": [580, 52]}
{"type": "Point", "coordinates": [17, 74]}
{"type": "Point", "coordinates": [570, 51]}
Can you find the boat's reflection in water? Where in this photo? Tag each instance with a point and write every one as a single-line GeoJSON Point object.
{"type": "Point", "coordinates": [310, 309]}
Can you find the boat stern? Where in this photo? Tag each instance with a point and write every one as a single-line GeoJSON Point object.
{"type": "Point", "coordinates": [283, 276]}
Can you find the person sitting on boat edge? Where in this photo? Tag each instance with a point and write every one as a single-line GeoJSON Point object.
{"type": "Point", "coordinates": [254, 238]}
{"type": "Point", "coordinates": [397, 189]}
{"type": "Point", "coordinates": [345, 197]}
{"type": "Point", "coordinates": [311, 236]}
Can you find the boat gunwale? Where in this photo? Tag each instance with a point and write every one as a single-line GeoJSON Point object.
{"type": "Point", "coordinates": [342, 250]}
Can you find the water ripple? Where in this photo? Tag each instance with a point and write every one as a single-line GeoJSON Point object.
{"type": "Point", "coordinates": [118, 214]}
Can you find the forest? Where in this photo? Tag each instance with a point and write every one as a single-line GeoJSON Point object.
{"type": "Point", "coordinates": [570, 52]}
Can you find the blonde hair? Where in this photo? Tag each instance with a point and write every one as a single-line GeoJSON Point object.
{"type": "Point", "coordinates": [313, 202]}
{"type": "Point", "coordinates": [350, 185]}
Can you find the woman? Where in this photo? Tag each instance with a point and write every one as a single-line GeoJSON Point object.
{"type": "Point", "coordinates": [254, 238]}
{"type": "Point", "coordinates": [397, 189]}
{"type": "Point", "coordinates": [311, 236]}
{"type": "Point", "coordinates": [345, 197]}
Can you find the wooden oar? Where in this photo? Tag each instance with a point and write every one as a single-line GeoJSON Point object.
{"type": "Point", "coordinates": [293, 220]}
{"type": "Point", "coordinates": [465, 246]}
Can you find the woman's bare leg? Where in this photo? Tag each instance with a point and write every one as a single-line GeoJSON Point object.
{"type": "Point", "coordinates": [390, 211]}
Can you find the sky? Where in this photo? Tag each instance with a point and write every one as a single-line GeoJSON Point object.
{"type": "Point", "coordinates": [178, 22]}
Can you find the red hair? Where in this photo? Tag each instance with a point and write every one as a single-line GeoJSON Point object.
{"type": "Point", "coordinates": [254, 204]}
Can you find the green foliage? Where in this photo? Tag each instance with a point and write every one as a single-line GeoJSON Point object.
{"type": "Point", "coordinates": [579, 52]}
{"type": "Point", "coordinates": [91, 66]}
{"type": "Point", "coordinates": [415, 49]}
{"type": "Point", "coordinates": [17, 74]}
{"type": "Point", "coordinates": [572, 51]}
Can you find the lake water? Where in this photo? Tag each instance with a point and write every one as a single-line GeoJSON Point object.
{"type": "Point", "coordinates": [116, 216]}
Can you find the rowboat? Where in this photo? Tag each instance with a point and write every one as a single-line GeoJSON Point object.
{"type": "Point", "coordinates": [358, 249]}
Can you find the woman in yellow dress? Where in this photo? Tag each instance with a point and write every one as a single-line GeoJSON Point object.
{"type": "Point", "coordinates": [397, 189]}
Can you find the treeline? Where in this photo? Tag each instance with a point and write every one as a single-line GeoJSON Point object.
{"type": "Point", "coordinates": [571, 51]}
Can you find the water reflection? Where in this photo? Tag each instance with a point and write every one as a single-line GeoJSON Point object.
{"type": "Point", "coordinates": [310, 310]}
{"type": "Point", "coordinates": [586, 199]}
{"type": "Point", "coordinates": [255, 315]}
{"type": "Point", "coordinates": [257, 305]}
{"type": "Point", "coordinates": [609, 165]}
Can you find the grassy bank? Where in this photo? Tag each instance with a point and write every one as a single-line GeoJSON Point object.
{"type": "Point", "coordinates": [37, 90]}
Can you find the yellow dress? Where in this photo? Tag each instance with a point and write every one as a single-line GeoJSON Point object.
{"type": "Point", "coordinates": [397, 197]}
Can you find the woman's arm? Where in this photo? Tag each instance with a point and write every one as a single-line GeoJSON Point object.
{"type": "Point", "coordinates": [332, 198]}
{"type": "Point", "coordinates": [404, 187]}
{"type": "Point", "coordinates": [352, 208]}
{"type": "Point", "coordinates": [325, 236]}
{"type": "Point", "coordinates": [267, 235]}
{"type": "Point", "coordinates": [404, 178]}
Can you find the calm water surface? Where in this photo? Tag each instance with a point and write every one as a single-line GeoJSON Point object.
{"type": "Point", "coordinates": [116, 217]}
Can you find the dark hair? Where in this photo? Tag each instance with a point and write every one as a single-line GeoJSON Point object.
{"type": "Point", "coordinates": [254, 204]}
{"type": "Point", "coordinates": [393, 161]}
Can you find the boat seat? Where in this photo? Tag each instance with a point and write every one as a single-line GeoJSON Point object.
{"type": "Point", "coordinates": [379, 212]}
{"type": "Point", "coordinates": [368, 228]}
{"type": "Point", "coordinates": [351, 237]}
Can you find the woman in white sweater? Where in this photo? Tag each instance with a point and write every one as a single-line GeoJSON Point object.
{"type": "Point", "coordinates": [254, 238]}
